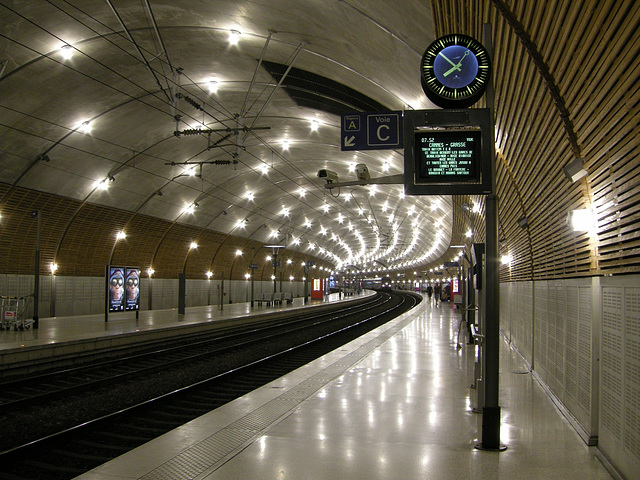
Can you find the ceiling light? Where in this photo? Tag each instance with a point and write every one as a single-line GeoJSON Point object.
{"type": "Point", "coordinates": [121, 235]}
{"type": "Point", "coordinates": [66, 51]}
{"type": "Point", "coordinates": [285, 144]}
{"type": "Point", "coordinates": [53, 267]}
{"type": "Point", "coordinates": [102, 184]}
{"type": "Point", "coordinates": [249, 196]}
{"type": "Point", "coordinates": [238, 252]}
{"type": "Point", "coordinates": [213, 86]}
{"type": "Point", "coordinates": [315, 125]}
{"type": "Point", "coordinates": [506, 259]}
{"type": "Point", "coordinates": [209, 274]}
{"type": "Point", "coordinates": [234, 37]}
{"type": "Point", "coordinates": [193, 245]}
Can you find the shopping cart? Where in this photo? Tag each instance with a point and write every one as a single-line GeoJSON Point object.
{"type": "Point", "coordinates": [14, 312]}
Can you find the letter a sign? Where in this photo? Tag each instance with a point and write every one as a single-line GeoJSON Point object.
{"type": "Point", "coordinates": [371, 131]}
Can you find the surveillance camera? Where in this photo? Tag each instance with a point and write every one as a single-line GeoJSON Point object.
{"type": "Point", "coordinates": [328, 175]}
{"type": "Point", "coordinates": [362, 172]}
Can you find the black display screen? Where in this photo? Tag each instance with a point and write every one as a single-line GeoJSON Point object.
{"type": "Point", "coordinates": [448, 157]}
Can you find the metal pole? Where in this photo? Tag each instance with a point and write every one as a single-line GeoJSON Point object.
{"type": "Point", "coordinates": [275, 265]}
{"type": "Point", "coordinates": [222, 292]}
{"type": "Point", "coordinates": [182, 292]}
{"type": "Point", "coordinates": [491, 343]}
{"type": "Point", "coordinates": [36, 287]}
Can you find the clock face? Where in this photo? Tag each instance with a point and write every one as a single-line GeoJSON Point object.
{"type": "Point", "coordinates": [455, 70]}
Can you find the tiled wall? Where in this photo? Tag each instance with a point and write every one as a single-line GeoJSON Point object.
{"type": "Point", "coordinates": [582, 338]}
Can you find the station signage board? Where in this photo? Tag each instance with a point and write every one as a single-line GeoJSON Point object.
{"type": "Point", "coordinates": [371, 131]}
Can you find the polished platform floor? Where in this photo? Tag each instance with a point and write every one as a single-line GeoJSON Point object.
{"type": "Point", "coordinates": [393, 404]}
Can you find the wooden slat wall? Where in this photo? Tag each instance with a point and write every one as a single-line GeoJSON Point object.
{"type": "Point", "coordinates": [81, 238]}
{"type": "Point", "coordinates": [592, 50]}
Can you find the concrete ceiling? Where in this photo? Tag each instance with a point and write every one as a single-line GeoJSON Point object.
{"type": "Point", "coordinates": [92, 94]}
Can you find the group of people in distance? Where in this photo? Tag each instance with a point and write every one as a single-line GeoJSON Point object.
{"type": "Point", "coordinates": [436, 292]}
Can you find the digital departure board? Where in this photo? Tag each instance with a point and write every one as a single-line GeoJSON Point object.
{"type": "Point", "coordinates": [449, 156]}
{"type": "Point", "coordinates": [448, 152]}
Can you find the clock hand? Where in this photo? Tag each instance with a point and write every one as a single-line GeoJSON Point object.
{"type": "Point", "coordinates": [443, 56]}
{"type": "Point", "coordinates": [457, 66]}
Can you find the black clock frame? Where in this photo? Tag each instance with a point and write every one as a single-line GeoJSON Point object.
{"type": "Point", "coordinates": [448, 97]}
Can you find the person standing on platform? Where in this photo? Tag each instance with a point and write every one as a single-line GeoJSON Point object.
{"type": "Point", "coordinates": [429, 293]}
{"type": "Point", "coordinates": [437, 291]}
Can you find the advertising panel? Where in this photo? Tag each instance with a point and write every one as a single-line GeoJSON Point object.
{"type": "Point", "coordinates": [132, 301]}
{"type": "Point", "coordinates": [116, 289]}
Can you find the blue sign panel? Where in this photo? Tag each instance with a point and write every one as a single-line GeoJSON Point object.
{"type": "Point", "coordinates": [371, 131]}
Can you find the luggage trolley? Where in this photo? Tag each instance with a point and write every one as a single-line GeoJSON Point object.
{"type": "Point", "coordinates": [14, 312]}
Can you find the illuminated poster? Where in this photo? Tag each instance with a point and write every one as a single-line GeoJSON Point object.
{"type": "Point", "coordinates": [132, 289]}
{"type": "Point", "coordinates": [116, 289]}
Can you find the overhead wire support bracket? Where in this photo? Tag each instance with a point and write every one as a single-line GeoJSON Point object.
{"type": "Point", "coordinates": [206, 131]}
{"type": "Point", "coordinates": [390, 180]}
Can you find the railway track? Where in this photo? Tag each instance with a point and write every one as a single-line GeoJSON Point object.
{"type": "Point", "coordinates": [75, 450]}
{"type": "Point", "coordinates": [28, 391]}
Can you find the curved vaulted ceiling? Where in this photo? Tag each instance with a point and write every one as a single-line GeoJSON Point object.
{"type": "Point", "coordinates": [99, 90]}
{"type": "Point", "coordinates": [156, 109]}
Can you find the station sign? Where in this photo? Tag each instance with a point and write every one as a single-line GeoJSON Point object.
{"type": "Point", "coordinates": [371, 131]}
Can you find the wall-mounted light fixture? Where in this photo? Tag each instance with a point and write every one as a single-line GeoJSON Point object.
{"type": "Point", "coordinates": [581, 220]}
{"type": "Point", "coordinates": [523, 222]}
{"type": "Point", "coordinates": [575, 170]}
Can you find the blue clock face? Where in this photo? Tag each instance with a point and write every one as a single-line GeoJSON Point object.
{"type": "Point", "coordinates": [455, 66]}
{"type": "Point", "coordinates": [455, 70]}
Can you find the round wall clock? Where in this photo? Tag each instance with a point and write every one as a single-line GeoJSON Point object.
{"type": "Point", "coordinates": [455, 70]}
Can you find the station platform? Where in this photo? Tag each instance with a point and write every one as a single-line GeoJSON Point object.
{"type": "Point", "coordinates": [66, 336]}
{"type": "Point", "coordinates": [395, 403]}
